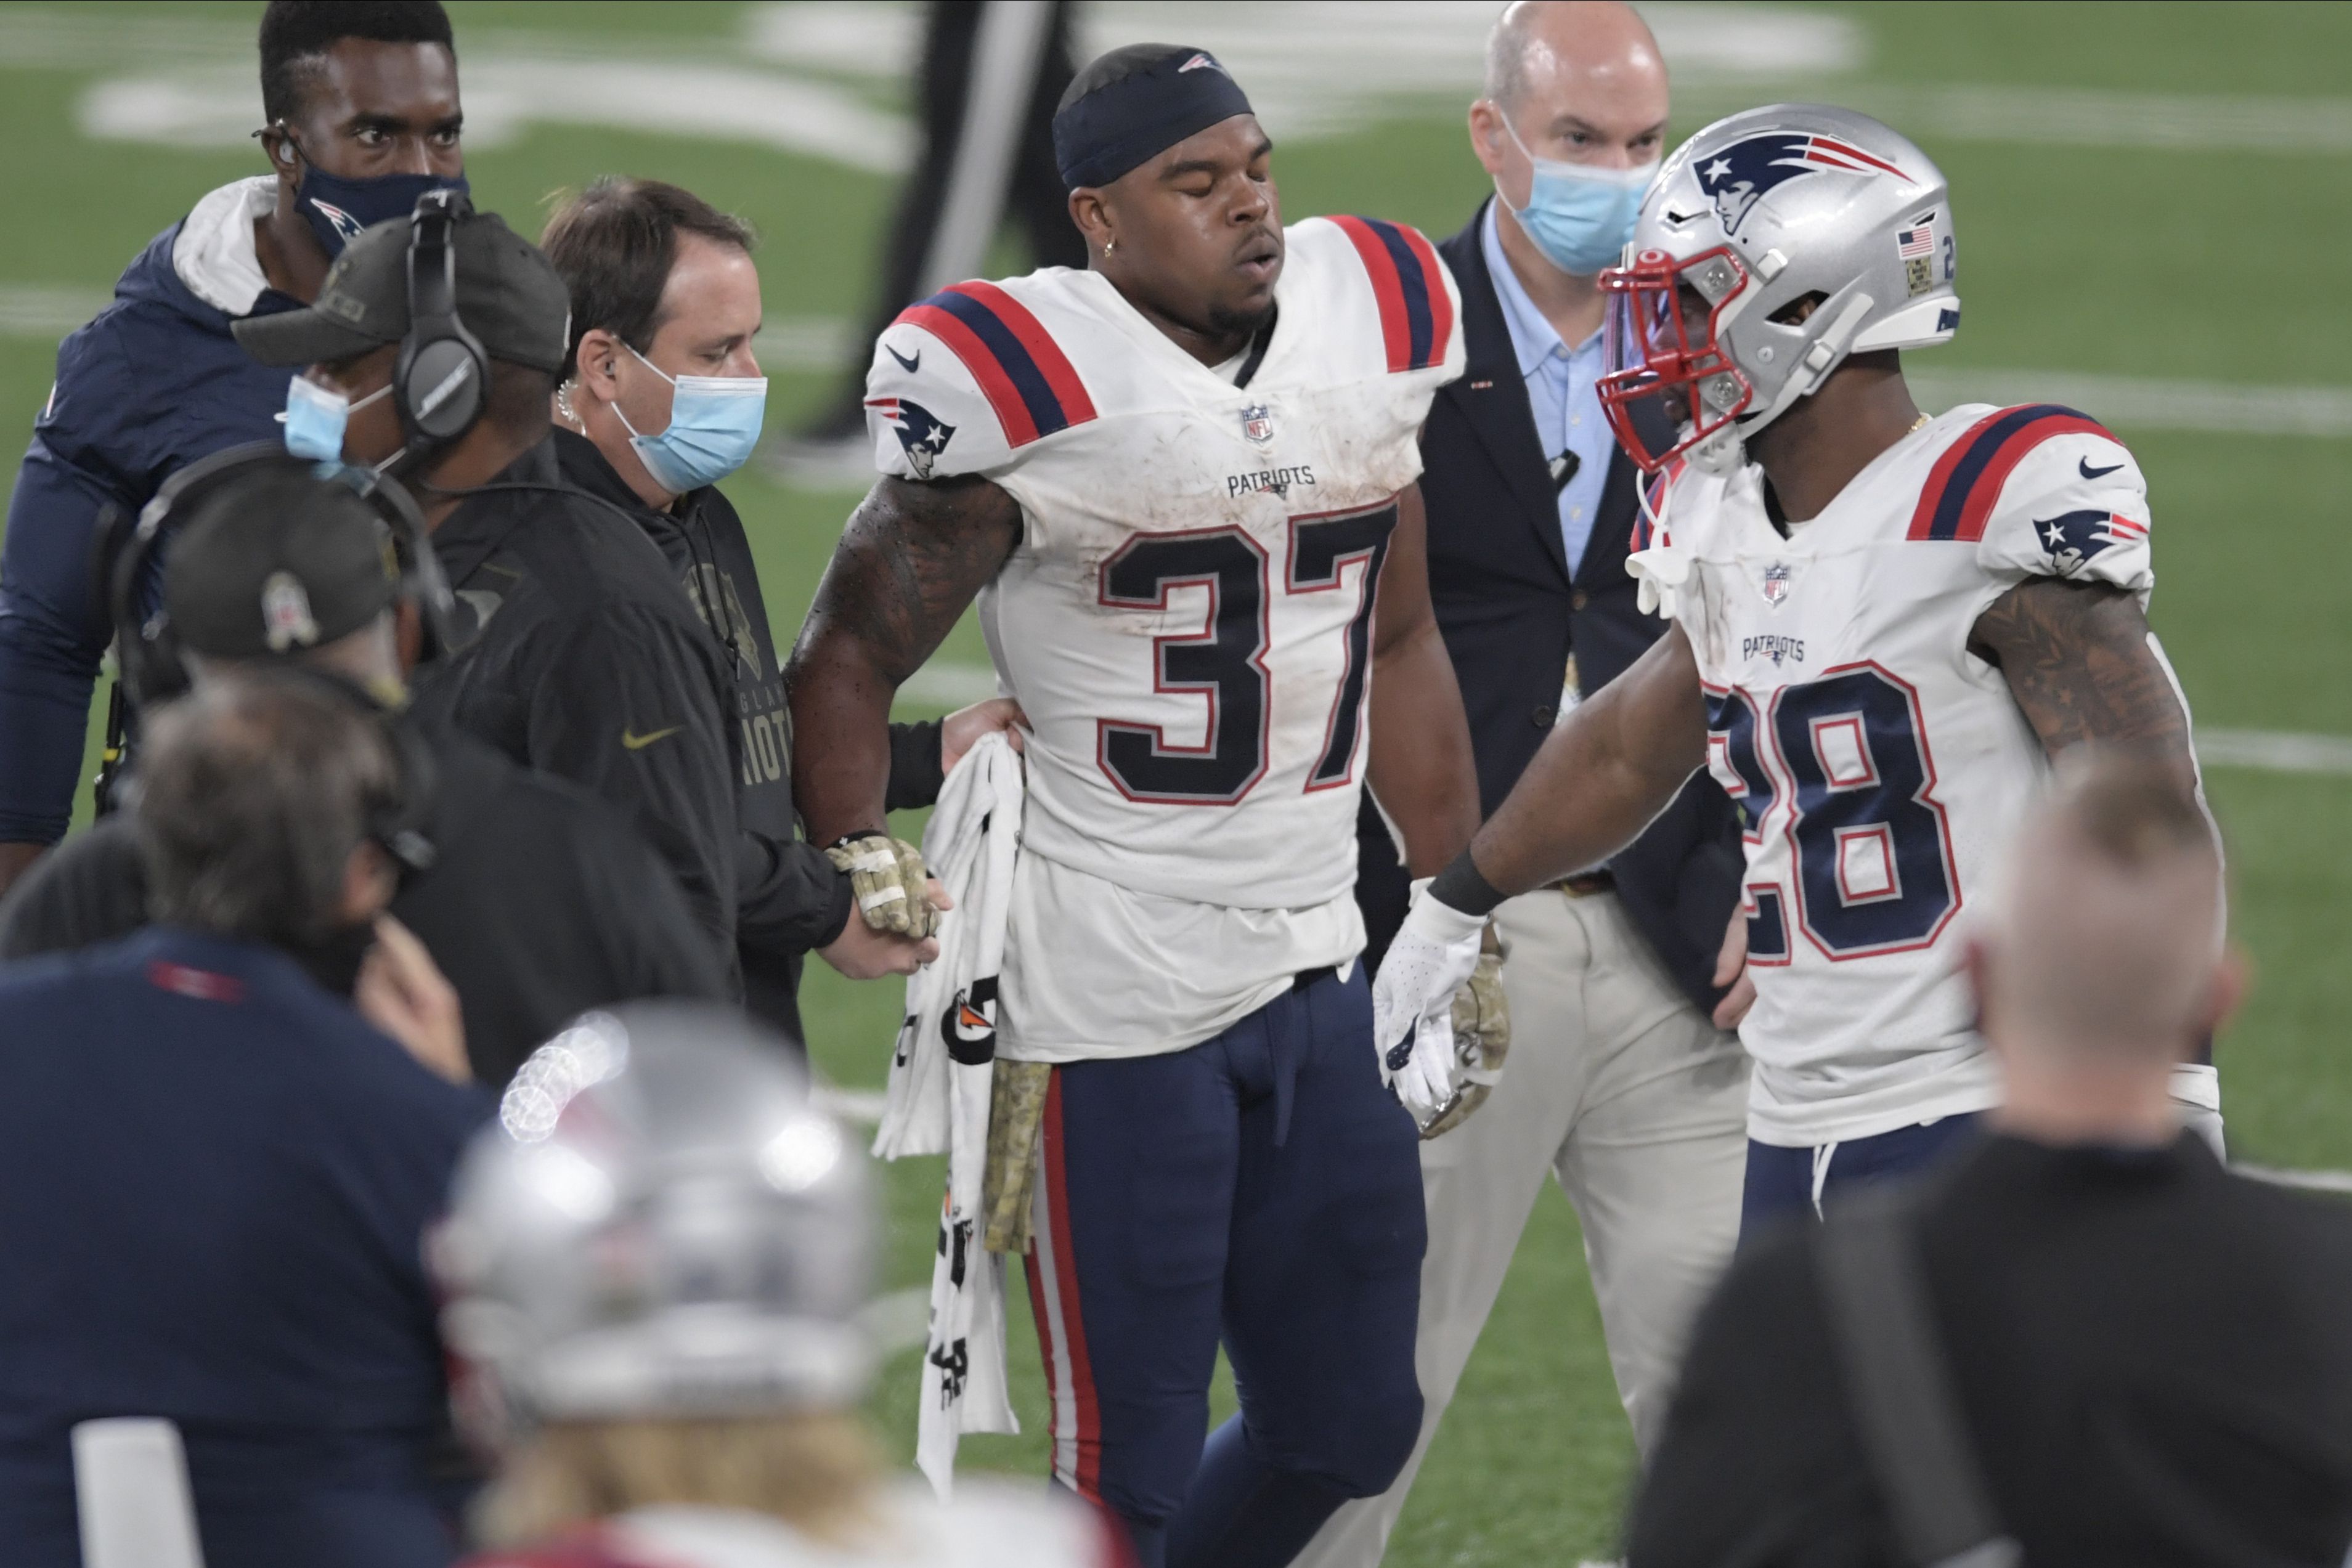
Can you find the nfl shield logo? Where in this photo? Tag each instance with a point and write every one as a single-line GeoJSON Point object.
{"type": "Point", "coordinates": [1776, 583]}
{"type": "Point", "coordinates": [1258, 423]}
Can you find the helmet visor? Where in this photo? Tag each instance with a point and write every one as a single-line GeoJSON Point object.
{"type": "Point", "coordinates": [1670, 384]}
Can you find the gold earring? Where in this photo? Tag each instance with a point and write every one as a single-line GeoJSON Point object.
{"type": "Point", "coordinates": [1107, 247]}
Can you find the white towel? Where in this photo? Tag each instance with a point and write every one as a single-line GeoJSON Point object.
{"type": "Point", "coordinates": [938, 1100]}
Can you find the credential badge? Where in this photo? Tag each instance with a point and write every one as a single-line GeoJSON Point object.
{"type": "Point", "coordinates": [1258, 423]}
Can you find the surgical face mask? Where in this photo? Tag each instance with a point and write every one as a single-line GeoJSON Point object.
{"type": "Point", "coordinates": [1579, 216]}
{"type": "Point", "coordinates": [714, 423]}
{"type": "Point", "coordinates": [338, 208]}
{"type": "Point", "coordinates": [315, 417]}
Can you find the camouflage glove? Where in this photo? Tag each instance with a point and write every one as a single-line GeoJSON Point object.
{"type": "Point", "coordinates": [886, 877]}
{"type": "Point", "coordinates": [1482, 1036]}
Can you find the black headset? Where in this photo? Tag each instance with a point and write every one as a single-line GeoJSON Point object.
{"type": "Point", "coordinates": [149, 659]}
{"type": "Point", "coordinates": [440, 381]}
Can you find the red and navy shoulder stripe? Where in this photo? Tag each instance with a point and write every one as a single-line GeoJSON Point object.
{"type": "Point", "coordinates": [1028, 380]}
{"type": "Point", "coordinates": [1408, 282]}
{"type": "Point", "coordinates": [1958, 500]}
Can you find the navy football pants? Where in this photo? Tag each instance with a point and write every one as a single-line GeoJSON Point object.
{"type": "Point", "coordinates": [1803, 1181]}
{"type": "Point", "coordinates": [1260, 1188]}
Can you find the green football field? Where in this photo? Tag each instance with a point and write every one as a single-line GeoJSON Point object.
{"type": "Point", "coordinates": [2154, 203]}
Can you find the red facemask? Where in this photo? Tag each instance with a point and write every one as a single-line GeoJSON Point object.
{"type": "Point", "coordinates": [1661, 345]}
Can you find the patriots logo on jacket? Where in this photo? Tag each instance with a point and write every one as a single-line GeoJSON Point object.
{"type": "Point", "coordinates": [2070, 538]}
{"type": "Point", "coordinates": [923, 433]}
{"type": "Point", "coordinates": [1739, 175]}
{"type": "Point", "coordinates": [345, 225]}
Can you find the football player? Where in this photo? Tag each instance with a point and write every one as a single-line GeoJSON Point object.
{"type": "Point", "coordinates": [1181, 484]}
{"type": "Point", "coordinates": [654, 1265]}
{"type": "Point", "coordinates": [1884, 625]}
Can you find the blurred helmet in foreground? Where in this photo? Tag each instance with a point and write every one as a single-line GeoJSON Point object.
{"type": "Point", "coordinates": [661, 1223]}
{"type": "Point", "coordinates": [1748, 220]}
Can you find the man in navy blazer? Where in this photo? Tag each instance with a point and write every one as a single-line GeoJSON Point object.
{"type": "Point", "coordinates": [1618, 1082]}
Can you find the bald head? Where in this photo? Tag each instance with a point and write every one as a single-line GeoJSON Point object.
{"type": "Point", "coordinates": [2102, 944]}
{"type": "Point", "coordinates": [1572, 46]}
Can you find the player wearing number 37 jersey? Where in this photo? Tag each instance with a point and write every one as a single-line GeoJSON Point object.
{"type": "Point", "coordinates": [1180, 484]}
{"type": "Point", "coordinates": [1884, 625]}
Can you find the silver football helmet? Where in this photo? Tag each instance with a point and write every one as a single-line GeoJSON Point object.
{"type": "Point", "coordinates": [1747, 219]}
{"type": "Point", "coordinates": [660, 1223]}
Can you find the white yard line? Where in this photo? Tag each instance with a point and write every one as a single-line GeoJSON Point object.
{"type": "Point", "coordinates": [2307, 1181]}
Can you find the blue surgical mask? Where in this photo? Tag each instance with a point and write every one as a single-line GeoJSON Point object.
{"type": "Point", "coordinates": [315, 417]}
{"type": "Point", "coordinates": [714, 424]}
{"type": "Point", "coordinates": [1581, 218]}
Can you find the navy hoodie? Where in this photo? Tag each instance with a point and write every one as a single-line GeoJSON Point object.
{"type": "Point", "coordinates": [151, 385]}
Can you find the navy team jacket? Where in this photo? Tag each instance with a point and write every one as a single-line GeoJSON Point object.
{"type": "Point", "coordinates": [151, 385]}
{"type": "Point", "coordinates": [214, 1181]}
{"type": "Point", "coordinates": [1511, 612]}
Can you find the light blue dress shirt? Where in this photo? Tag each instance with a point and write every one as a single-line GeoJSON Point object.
{"type": "Point", "coordinates": [1563, 391]}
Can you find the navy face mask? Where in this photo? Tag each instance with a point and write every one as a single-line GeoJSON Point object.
{"type": "Point", "coordinates": [337, 209]}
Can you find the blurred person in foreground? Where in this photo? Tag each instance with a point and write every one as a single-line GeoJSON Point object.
{"type": "Point", "coordinates": [656, 1267]}
{"type": "Point", "coordinates": [2151, 1357]}
{"type": "Point", "coordinates": [660, 400]}
{"type": "Point", "coordinates": [591, 664]}
{"type": "Point", "coordinates": [215, 1175]}
{"type": "Point", "coordinates": [360, 111]}
{"type": "Point", "coordinates": [535, 899]}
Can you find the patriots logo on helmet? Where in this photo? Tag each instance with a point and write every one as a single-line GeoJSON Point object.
{"type": "Point", "coordinates": [1739, 175]}
{"type": "Point", "coordinates": [345, 225]}
{"type": "Point", "coordinates": [2070, 538]}
{"type": "Point", "coordinates": [969, 1024]}
{"type": "Point", "coordinates": [923, 433]}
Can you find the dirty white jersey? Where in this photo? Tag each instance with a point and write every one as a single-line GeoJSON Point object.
{"type": "Point", "coordinates": [987, 1526]}
{"type": "Point", "coordinates": [1879, 765]}
{"type": "Point", "coordinates": [1187, 619]}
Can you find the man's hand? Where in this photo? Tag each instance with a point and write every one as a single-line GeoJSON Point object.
{"type": "Point", "coordinates": [1482, 1038]}
{"type": "Point", "coordinates": [962, 729]}
{"type": "Point", "coordinates": [1433, 954]}
{"type": "Point", "coordinates": [888, 881]}
{"type": "Point", "coordinates": [402, 993]}
{"type": "Point", "coordinates": [1731, 969]}
{"type": "Point", "coordinates": [863, 952]}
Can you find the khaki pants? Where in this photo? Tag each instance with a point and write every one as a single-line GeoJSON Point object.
{"type": "Point", "coordinates": [1638, 1106]}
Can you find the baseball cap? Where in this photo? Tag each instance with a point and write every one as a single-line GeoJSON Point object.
{"type": "Point", "coordinates": [276, 562]}
{"type": "Point", "coordinates": [508, 296]}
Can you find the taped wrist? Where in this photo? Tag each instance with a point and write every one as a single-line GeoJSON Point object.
{"type": "Point", "coordinates": [1461, 886]}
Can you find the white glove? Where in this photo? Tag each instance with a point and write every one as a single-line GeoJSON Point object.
{"type": "Point", "coordinates": [1432, 955]}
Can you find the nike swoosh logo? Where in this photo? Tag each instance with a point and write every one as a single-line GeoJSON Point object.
{"type": "Point", "coordinates": [906, 364]}
{"type": "Point", "coordinates": [2084, 465]}
{"type": "Point", "coordinates": [635, 742]}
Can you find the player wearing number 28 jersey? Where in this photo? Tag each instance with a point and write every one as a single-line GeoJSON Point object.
{"type": "Point", "coordinates": [1884, 625]}
{"type": "Point", "coordinates": [1181, 485]}
{"type": "Point", "coordinates": [1880, 763]}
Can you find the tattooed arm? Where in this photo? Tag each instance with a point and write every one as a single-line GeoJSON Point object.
{"type": "Point", "coordinates": [2082, 663]}
{"type": "Point", "coordinates": [910, 561]}
{"type": "Point", "coordinates": [1611, 766]}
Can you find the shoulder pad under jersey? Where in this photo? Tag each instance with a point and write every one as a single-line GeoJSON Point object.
{"type": "Point", "coordinates": [2041, 490]}
{"type": "Point", "coordinates": [1385, 281]}
{"type": "Point", "coordinates": [962, 381]}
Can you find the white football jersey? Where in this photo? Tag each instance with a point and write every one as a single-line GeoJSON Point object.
{"type": "Point", "coordinates": [1880, 765]}
{"type": "Point", "coordinates": [1187, 620]}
